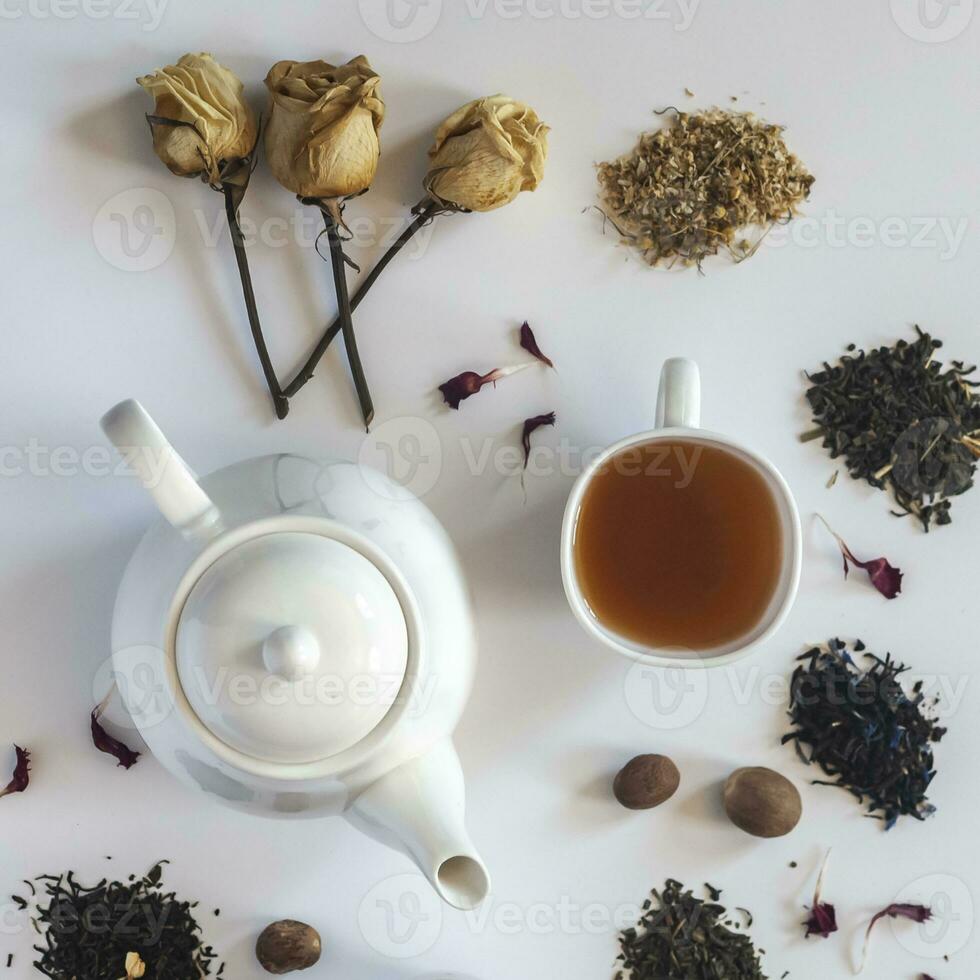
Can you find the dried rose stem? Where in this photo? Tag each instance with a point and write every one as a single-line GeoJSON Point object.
{"type": "Point", "coordinates": [279, 399]}
{"type": "Point", "coordinates": [423, 212]}
{"type": "Point", "coordinates": [344, 309]}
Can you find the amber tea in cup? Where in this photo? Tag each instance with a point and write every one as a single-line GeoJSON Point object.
{"type": "Point", "coordinates": [679, 543]}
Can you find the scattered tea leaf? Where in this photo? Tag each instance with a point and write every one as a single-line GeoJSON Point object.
{"type": "Point", "coordinates": [864, 731]}
{"type": "Point", "coordinates": [686, 191]}
{"type": "Point", "coordinates": [917, 913]}
{"type": "Point", "coordinates": [21, 777]}
{"type": "Point", "coordinates": [823, 915]}
{"type": "Point", "coordinates": [458, 389]}
{"type": "Point", "coordinates": [884, 577]}
{"type": "Point", "coordinates": [105, 742]}
{"type": "Point", "coordinates": [529, 344]}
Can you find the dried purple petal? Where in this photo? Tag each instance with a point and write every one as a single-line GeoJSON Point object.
{"type": "Point", "coordinates": [529, 344]}
{"type": "Point", "coordinates": [22, 773]}
{"type": "Point", "coordinates": [897, 910]}
{"type": "Point", "coordinates": [822, 921]}
{"type": "Point", "coordinates": [823, 915]}
{"type": "Point", "coordinates": [105, 742]}
{"type": "Point", "coordinates": [469, 383]}
{"type": "Point", "coordinates": [532, 425]}
{"type": "Point", "coordinates": [884, 577]}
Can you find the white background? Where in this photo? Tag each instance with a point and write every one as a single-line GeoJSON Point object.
{"type": "Point", "coordinates": [881, 107]}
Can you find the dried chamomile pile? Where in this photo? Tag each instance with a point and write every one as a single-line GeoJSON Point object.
{"type": "Point", "coordinates": [705, 183]}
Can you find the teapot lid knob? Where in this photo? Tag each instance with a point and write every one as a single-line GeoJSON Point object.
{"type": "Point", "coordinates": [291, 652]}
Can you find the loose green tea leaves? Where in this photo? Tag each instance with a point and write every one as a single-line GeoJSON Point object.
{"type": "Point", "coordinates": [469, 383]}
{"type": "Point", "coordinates": [884, 577]}
{"type": "Point", "coordinates": [530, 344]}
{"type": "Point", "coordinates": [105, 742]}
{"type": "Point", "coordinates": [700, 184]}
{"type": "Point", "coordinates": [902, 423]}
{"type": "Point", "coordinates": [864, 731]}
{"type": "Point", "coordinates": [104, 932]}
{"type": "Point", "coordinates": [21, 777]}
{"type": "Point", "coordinates": [897, 910]}
{"type": "Point", "coordinates": [823, 916]}
{"type": "Point", "coordinates": [680, 937]}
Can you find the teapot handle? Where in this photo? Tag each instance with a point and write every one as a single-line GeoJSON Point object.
{"type": "Point", "coordinates": [160, 469]}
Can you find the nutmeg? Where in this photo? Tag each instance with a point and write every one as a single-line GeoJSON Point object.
{"type": "Point", "coordinates": [646, 782]}
{"type": "Point", "coordinates": [762, 802]}
{"type": "Point", "coordinates": [288, 945]}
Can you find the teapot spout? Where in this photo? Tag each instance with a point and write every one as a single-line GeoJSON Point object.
{"type": "Point", "coordinates": [418, 808]}
{"type": "Point", "coordinates": [169, 479]}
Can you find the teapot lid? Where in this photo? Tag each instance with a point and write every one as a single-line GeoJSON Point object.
{"type": "Point", "coordinates": [292, 647]}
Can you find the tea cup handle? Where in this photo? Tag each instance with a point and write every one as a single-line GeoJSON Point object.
{"type": "Point", "coordinates": [679, 395]}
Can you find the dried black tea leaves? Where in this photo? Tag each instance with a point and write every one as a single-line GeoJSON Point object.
{"type": "Point", "coordinates": [864, 731]}
{"type": "Point", "coordinates": [104, 742]}
{"type": "Point", "coordinates": [697, 187]}
{"type": "Point", "coordinates": [902, 423]}
{"type": "Point", "coordinates": [885, 577]}
{"type": "Point", "coordinates": [530, 344]}
{"type": "Point", "coordinates": [897, 910]}
{"type": "Point", "coordinates": [823, 916]}
{"type": "Point", "coordinates": [108, 930]}
{"type": "Point", "coordinates": [21, 777]}
{"type": "Point", "coordinates": [680, 937]}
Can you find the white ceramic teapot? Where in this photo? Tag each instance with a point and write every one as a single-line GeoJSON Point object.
{"type": "Point", "coordinates": [295, 639]}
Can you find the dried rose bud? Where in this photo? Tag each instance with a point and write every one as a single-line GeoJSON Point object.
{"type": "Point", "coordinates": [486, 153]}
{"type": "Point", "coordinates": [200, 118]}
{"type": "Point", "coordinates": [646, 782]}
{"type": "Point", "coordinates": [135, 967]}
{"type": "Point", "coordinates": [321, 140]}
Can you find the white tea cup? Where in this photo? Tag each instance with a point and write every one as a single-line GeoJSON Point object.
{"type": "Point", "coordinates": [678, 417]}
